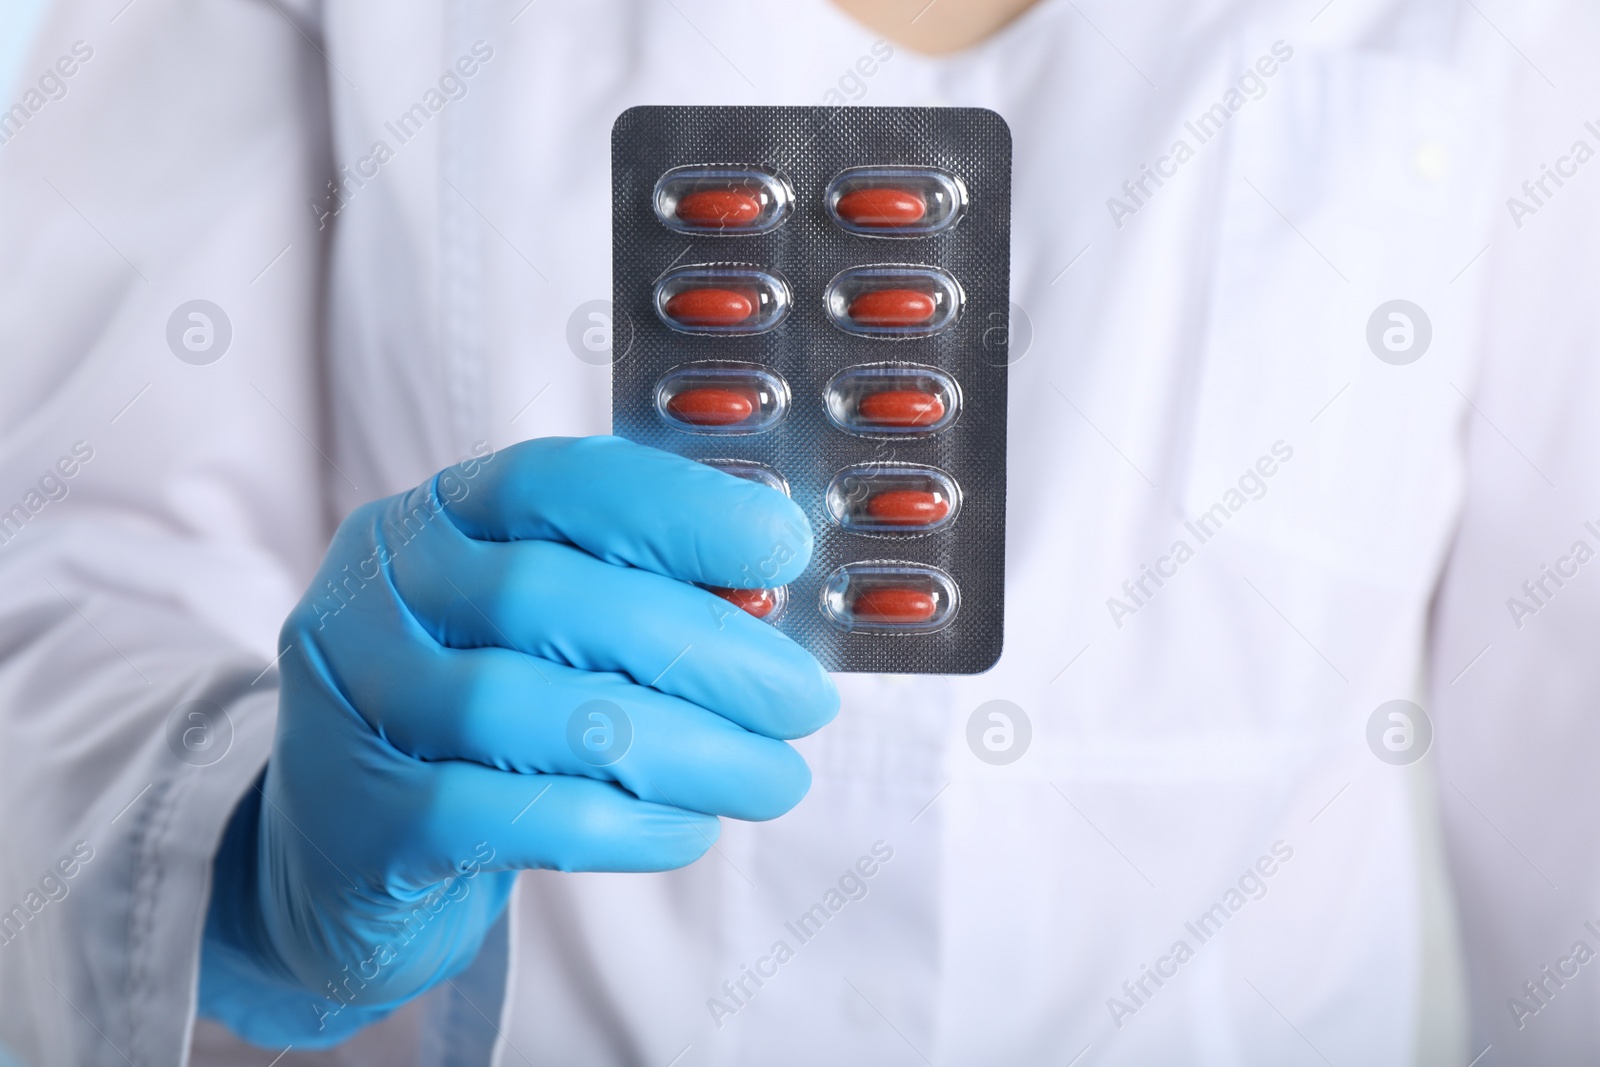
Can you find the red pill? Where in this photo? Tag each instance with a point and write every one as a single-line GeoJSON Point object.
{"type": "Point", "coordinates": [757, 602]}
{"type": "Point", "coordinates": [709, 406]}
{"type": "Point", "coordinates": [907, 507]}
{"type": "Point", "coordinates": [881, 208]}
{"type": "Point", "coordinates": [901, 407]}
{"type": "Point", "coordinates": [892, 307]}
{"type": "Point", "coordinates": [711, 307]}
{"type": "Point", "coordinates": [894, 604]}
{"type": "Point", "coordinates": [719, 208]}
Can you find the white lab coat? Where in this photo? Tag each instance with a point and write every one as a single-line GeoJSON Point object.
{"type": "Point", "coordinates": [1185, 734]}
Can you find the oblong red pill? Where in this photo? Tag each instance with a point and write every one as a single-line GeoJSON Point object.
{"type": "Point", "coordinates": [894, 604]}
{"type": "Point", "coordinates": [710, 307]}
{"type": "Point", "coordinates": [723, 208]}
{"type": "Point", "coordinates": [892, 307]}
{"type": "Point", "coordinates": [901, 407]}
{"type": "Point", "coordinates": [907, 507]}
{"type": "Point", "coordinates": [711, 406]}
{"type": "Point", "coordinates": [884, 207]}
{"type": "Point", "coordinates": [757, 602]}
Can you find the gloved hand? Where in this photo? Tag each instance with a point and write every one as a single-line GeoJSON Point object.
{"type": "Point", "coordinates": [437, 726]}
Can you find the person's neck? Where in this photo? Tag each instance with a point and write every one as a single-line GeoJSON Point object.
{"type": "Point", "coordinates": [936, 28]}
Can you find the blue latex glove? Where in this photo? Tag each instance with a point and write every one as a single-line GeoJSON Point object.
{"type": "Point", "coordinates": [435, 732]}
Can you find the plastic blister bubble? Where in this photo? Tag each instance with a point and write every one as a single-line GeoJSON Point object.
{"type": "Point", "coordinates": [899, 499]}
{"type": "Point", "coordinates": [899, 300]}
{"type": "Point", "coordinates": [722, 201]}
{"type": "Point", "coordinates": [896, 201]}
{"type": "Point", "coordinates": [725, 298]}
{"type": "Point", "coordinates": [765, 604]}
{"type": "Point", "coordinates": [890, 598]}
{"type": "Point", "coordinates": [892, 400]}
{"type": "Point", "coordinates": [750, 471]}
{"type": "Point", "coordinates": [722, 398]}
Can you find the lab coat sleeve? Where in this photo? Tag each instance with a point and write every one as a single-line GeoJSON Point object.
{"type": "Point", "coordinates": [161, 502]}
{"type": "Point", "coordinates": [1516, 681]}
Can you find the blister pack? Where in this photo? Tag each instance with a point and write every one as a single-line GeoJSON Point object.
{"type": "Point", "coordinates": [818, 299]}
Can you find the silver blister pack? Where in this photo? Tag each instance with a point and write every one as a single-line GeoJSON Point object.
{"type": "Point", "coordinates": [818, 299]}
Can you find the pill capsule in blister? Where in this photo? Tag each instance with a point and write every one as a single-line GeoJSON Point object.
{"type": "Point", "coordinates": [722, 201]}
{"type": "Point", "coordinates": [712, 407]}
{"type": "Point", "coordinates": [907, 507]}
{"type": "Point", "coordinates": [892, 499]}
{"type": "Point", "coordinates": [722, 398]}
{"type": "Point", "coordinates": [722, 298]}
{"type": "Point", "coordinates": [710, 307]}
{"type": "Point", "coordinates": [901, 408]}
{"type": "Point", "coordinates": [896, 605]}
{"type": "Point", "coordinates": [892, 400]}
{"type": "Point", "coordinates": [892, 307]}
{"type": "Point", "coordinates": [762, 603]}
{"type": "Point", "coordinates": [893, 301]}
{"type": "Point", "coordinates": [889, 598]}
{"type": "Point", "coordinates": [719, 209]}
{"type": "Point", "coordinates": [881, 208]}
{"type": "Point", "coordinates": [895, 201]}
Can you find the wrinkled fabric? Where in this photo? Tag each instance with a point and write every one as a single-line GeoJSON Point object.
{"type": "Point", "coordinates": [1186, 337]}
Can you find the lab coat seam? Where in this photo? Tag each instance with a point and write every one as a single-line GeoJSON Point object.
{"type": "Point", "coordinates": [168, 835]}
{"type": "Point", "coordinates": [141, 883]}
{"type": "Point", "coordinates": [462, 309]}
